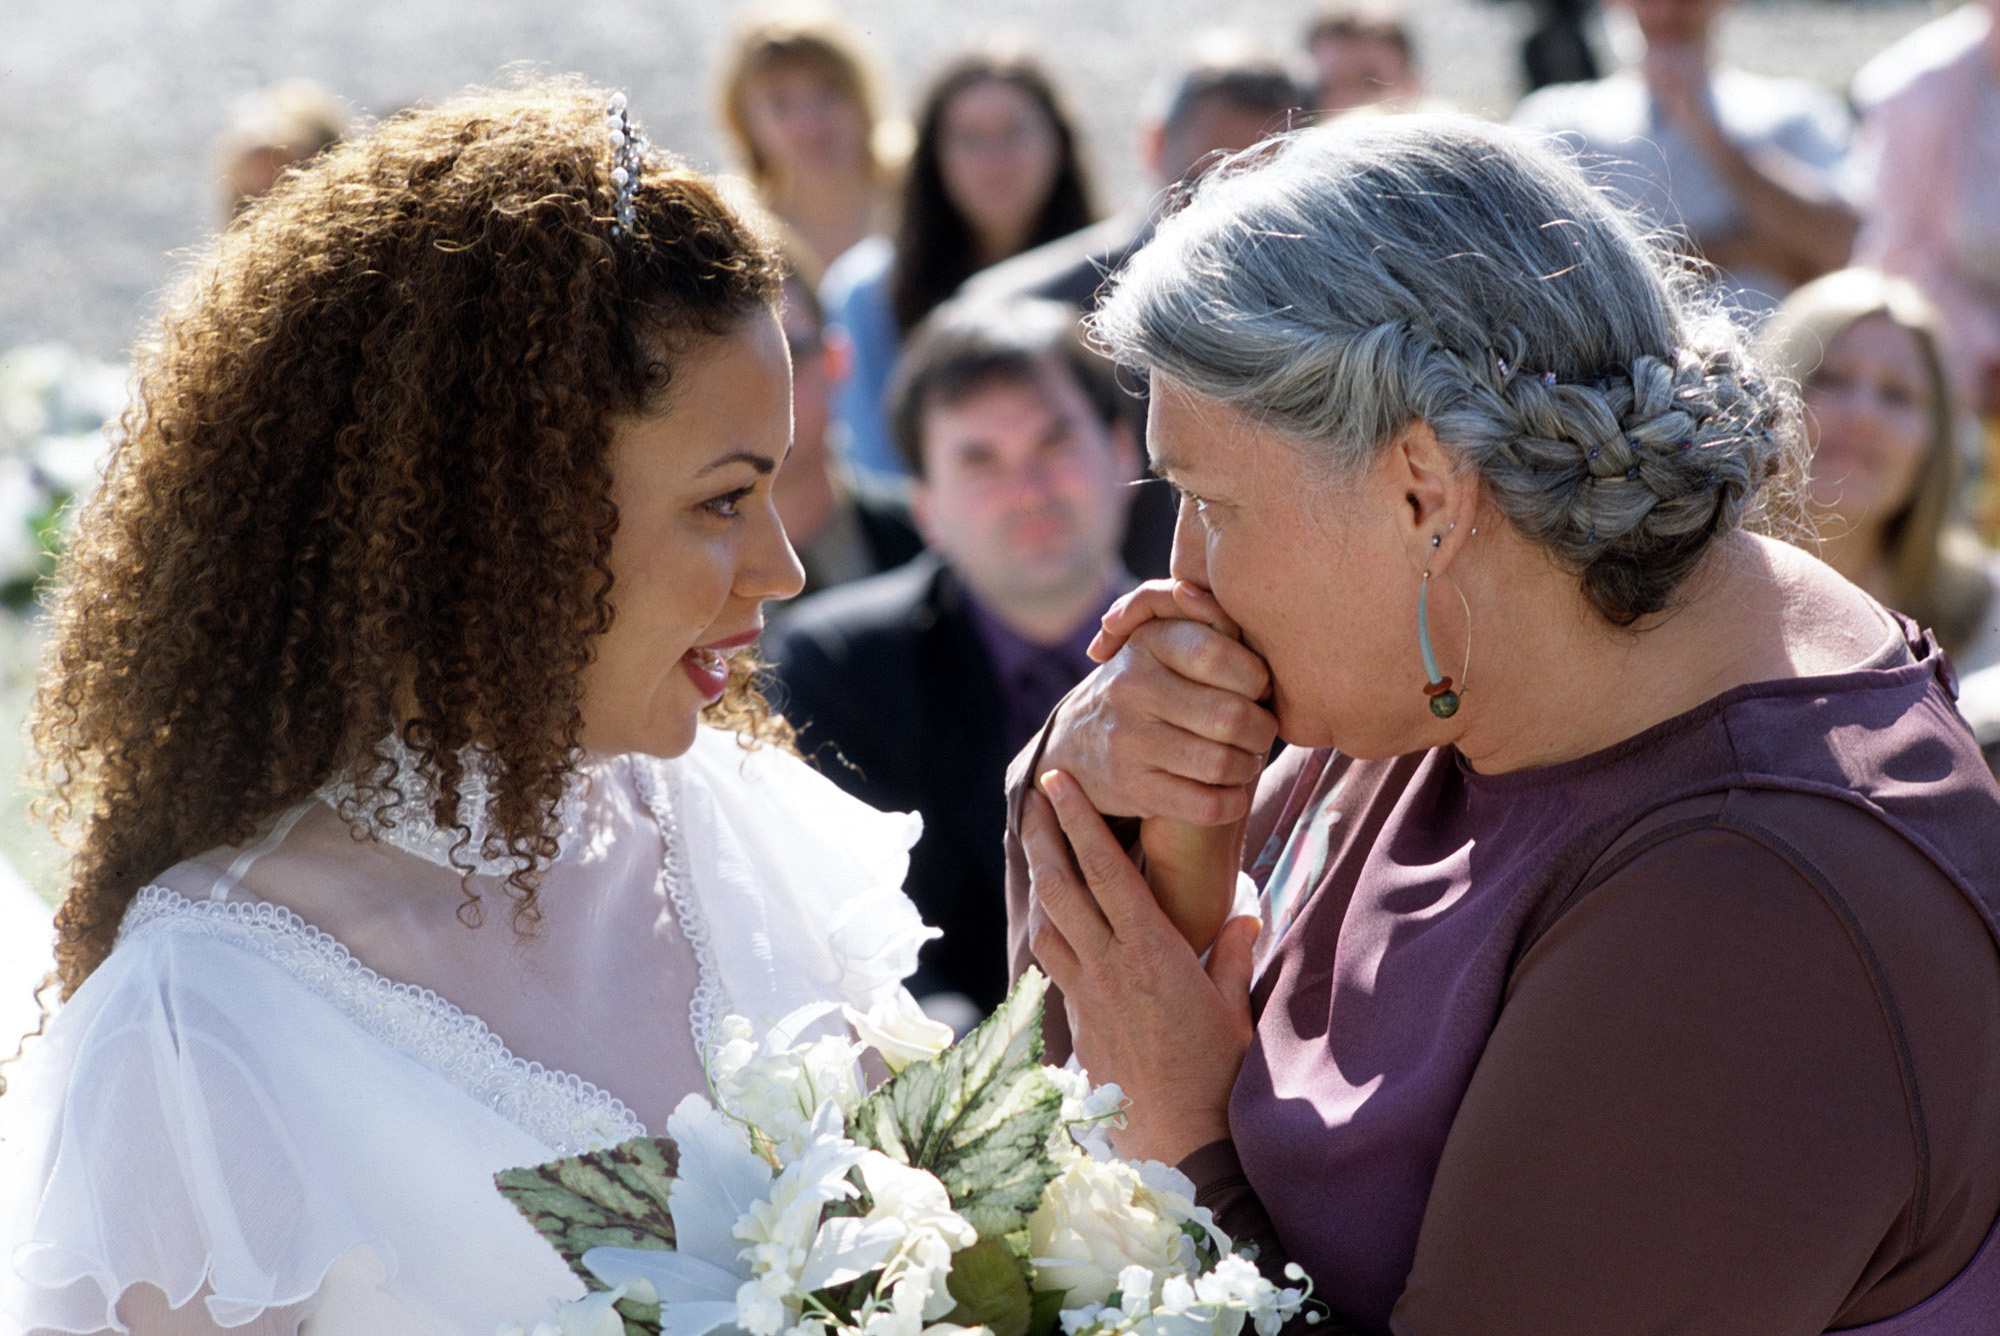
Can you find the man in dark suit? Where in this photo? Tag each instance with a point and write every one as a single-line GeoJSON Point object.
{"type": "Point", "coordinates": [912, 689]}
{"type": "Point", "coordinates": [1230, 94]}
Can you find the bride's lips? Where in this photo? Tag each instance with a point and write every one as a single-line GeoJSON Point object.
{"type": "Point", "coordinates": [707, 666]}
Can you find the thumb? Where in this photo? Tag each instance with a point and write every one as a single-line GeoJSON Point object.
{"type": "Point", "coordinates": [1230, 962]}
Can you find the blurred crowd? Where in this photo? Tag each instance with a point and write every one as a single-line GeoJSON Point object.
{"type": "Point", "coordinates": [967, 490]}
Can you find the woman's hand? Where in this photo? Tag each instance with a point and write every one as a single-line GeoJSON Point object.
{"type": "Point", "coordinates": [1170, 726]}
{"type": "Point", "coordinates": [1142, 1011]}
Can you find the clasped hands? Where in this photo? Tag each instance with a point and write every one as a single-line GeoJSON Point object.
{"type": "Point", "coordinates": [1170, 730]}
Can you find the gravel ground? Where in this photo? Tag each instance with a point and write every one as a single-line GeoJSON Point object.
{"type": "Point", "coordinates": [109, 108]}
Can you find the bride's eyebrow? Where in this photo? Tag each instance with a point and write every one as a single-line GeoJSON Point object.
{"type": "Point", "coordinates": [762, 463]}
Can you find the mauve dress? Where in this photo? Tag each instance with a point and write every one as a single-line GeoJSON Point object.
{"type": "Point", "coordinates": [1699, 1033]}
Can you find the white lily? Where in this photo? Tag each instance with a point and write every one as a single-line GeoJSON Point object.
{"type": "Point", "coordinates": [718, 1180]}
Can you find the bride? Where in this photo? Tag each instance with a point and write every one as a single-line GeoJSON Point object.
{"type": "Point", "coordinates": [427, 816]}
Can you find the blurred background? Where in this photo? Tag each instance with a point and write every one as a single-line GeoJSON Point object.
{"type": "Point", "coordinates": [113, 117]}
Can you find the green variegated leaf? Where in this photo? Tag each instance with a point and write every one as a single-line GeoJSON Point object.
{"type": "Point", "coordinates": [614, 1198]}
{"type": "Point", "coordinates": [990, 1289]}
{"type": "Point", "coordinates": [1045, 1312]}
{"type": "Point", "coordinates": [640, 1319]}
{"type": "Point", "coordinates": [979, 1115]}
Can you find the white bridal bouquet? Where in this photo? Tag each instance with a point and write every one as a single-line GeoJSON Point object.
{"type": "Point", "coordinates": [974, 1191]}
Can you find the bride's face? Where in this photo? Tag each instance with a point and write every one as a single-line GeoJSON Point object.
{"type": "Point", "coordinates": [699, 545]}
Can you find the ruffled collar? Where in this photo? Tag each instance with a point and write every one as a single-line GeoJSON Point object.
{"type": "Point", "coordinates": [410, 827]}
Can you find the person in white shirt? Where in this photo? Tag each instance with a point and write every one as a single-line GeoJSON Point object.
{"type": "Point", "coordinates": [1749, 167]}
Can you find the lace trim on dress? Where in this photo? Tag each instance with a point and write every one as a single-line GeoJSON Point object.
{"type": "Point", "coordinates": [567, 1113]}
{"type": "Point", "coordinates": [659, 788]}
{"type": "Point", "coordinates": [414, 831]}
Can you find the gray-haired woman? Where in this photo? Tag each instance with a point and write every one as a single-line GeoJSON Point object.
{"type": "Point", "coordinates": [1626, 954]}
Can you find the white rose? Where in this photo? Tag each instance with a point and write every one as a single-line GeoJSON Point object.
{"type": "Point", "coordinates": [1096, 1219]}
{"type": "Point", "coordinates": [897, 1028]}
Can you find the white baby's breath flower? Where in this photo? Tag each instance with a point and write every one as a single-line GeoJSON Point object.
{"type": "Point", "coordinates": [1096, 1219]}
{"type": "Point", "coordinates": [1176, 1294]}
{"type": "Point", "coordinates": [896, 1027]}
{"type": "Point", "coordinates": [1088, 1115]}
{"type": "Point", "coordinates": [1135, 1291]}
{"type": "Point", "coordinates": [1235, 1282]}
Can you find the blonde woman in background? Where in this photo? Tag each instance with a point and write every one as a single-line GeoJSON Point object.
{"type": "Point", "coordinates": [1880, 421]}
{"type": "Point", "coordinates": [271, 130]}
{"type": "Point", "coordinates": [800, 109]}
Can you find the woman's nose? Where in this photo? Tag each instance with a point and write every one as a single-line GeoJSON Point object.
{"type": "Point", "coordinates": [770, 567]}
{"type": "Point", "coordinates": [1190, 555]}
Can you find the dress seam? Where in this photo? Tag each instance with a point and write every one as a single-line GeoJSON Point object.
{"type": "Point", "coordinates": [1885, 997]}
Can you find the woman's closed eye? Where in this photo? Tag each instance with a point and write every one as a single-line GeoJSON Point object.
{"type": "Point", "coordinates": [1202, 505]}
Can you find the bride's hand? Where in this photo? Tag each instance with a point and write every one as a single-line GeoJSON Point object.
{"type": "Point", "coordinates": [1142, 1010]}
{"type": "Point", "coordinates": [1170, 726]}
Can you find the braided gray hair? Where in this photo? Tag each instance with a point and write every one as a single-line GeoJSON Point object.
{"type": "Point", "coordinates": [1344, 281]}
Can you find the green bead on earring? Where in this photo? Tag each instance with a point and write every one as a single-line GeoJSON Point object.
{"type": "Point", "coordinates": [1444, 701]}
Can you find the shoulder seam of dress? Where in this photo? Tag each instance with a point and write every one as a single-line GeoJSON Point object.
{"type": "Point", "coordinates": [1878, 980]}
{"type": "Point", "coordinates": [564, 1111]}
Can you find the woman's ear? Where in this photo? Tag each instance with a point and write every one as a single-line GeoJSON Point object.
{"type": "Point", "coordinates": [1438, 495]}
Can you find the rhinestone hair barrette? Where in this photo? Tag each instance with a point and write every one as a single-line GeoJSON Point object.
{"type": "Point", "coordinates": [628, 155]}
{"type": "Point", "coordinates": [1506, 372]}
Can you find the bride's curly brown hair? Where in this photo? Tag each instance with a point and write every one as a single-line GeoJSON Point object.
{"type": "Point", "coordinates": [364, 487]}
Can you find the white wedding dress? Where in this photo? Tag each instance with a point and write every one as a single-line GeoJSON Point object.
{"type": "Point", "coordinates": [238, 1110]}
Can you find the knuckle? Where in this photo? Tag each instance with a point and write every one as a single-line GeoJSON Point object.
{"type": "Point", "coordinates": [1206, 658]}
{"type": "Point", "coordinates": [1218, 806]}
{"type": "Point", "coordinates": [1211, 764]}
{"type": "Point", "coordinates": [1229, 716]}
{"type": "Point", "coordinates": [1099, 865]}
{"type": "Point", "coordinates": [1047, 877]}
{"type": "Point", "coordinates": [1102, 974]}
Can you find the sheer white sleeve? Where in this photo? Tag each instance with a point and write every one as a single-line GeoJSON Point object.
{"type": "Point", "coordinates": [202, 1115]}
{"type": "Point", "coordinates": [795, 887]}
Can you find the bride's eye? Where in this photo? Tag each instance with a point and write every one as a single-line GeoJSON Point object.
{"type": "Point", "coordinates": [726, 505]}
